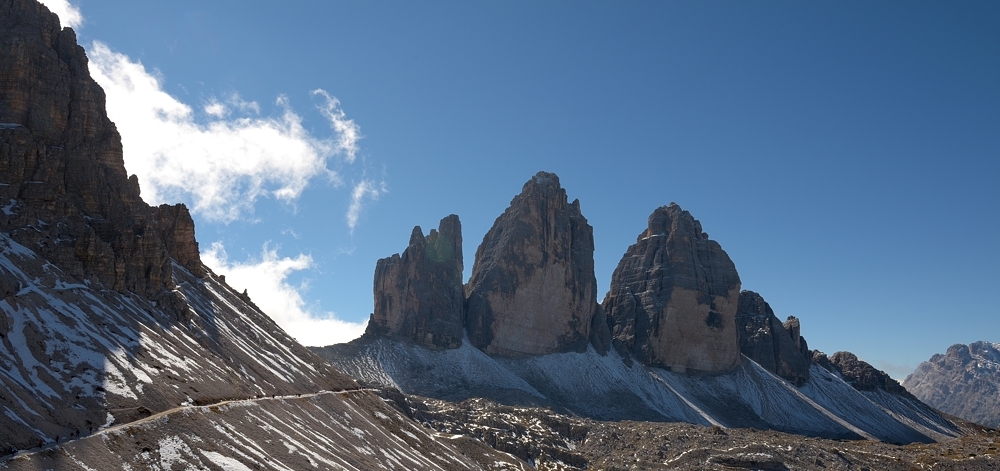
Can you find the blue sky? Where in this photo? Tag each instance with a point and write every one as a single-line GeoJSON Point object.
{"type": "Point", "coordinates": [846, 155]}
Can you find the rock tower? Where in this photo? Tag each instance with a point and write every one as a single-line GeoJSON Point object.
{"type": "Point", "coordinates": [673, 297]}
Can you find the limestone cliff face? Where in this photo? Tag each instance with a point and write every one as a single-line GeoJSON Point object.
{"type": "Point", "coordinates": [419, 296]}
{"type": "Point", "coordinates": [673, 297]}
{"type": "Point", "coordinates": [64, 190]}
{"type": "Point", "coordinates": [779, 348]}
{"type": "Point", "coordinates": [533, 289]}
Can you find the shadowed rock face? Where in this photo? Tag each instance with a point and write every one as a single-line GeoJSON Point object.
{"type": "Point", "coordinates": [965, 382]}
{"type": "Point", "coordinates": [63, 183]}
{"type": "Point", "coordinates": [777, 347]}
{"type": "Point", "coordinates": [533, 289]}
{"type": "Point", "coordinates": [674, 295]}
{"type": "Point", "coordinates": [419, 296]}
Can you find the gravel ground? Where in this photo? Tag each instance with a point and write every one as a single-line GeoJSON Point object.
{"type": "Point", "coordinates": [553, 441]}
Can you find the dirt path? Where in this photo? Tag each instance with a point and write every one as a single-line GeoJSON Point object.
{"type": "Point", "coordinates": [175, 410]}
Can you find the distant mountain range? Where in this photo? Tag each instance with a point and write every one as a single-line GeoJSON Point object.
{"type": "Point", "coordinates": [964, 382]}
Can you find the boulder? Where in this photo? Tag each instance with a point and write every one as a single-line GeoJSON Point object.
{"type": "Point", "coordinates": [419, 295]}
{"type": "Point", "coordinates": [673, 297]}
{"type": "Point", "coordinates": [765, 340]}
{"type": "Point", "coordinates": [533, 289]}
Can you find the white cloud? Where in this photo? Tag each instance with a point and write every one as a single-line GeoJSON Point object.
{"type": "Point", "coordinates": [69, 15]}
{"type": "Point", "coordinates": [265, 280]}
{"type": "Point", "coordinates": [364, 190]}
{"type": "Point", "coordinates": [226, 163]}
{"type": "Point", "coordinates": [348, 132]}
{"type": "Point", "coordinates": [223, 163]}
{"type": "Point", "coordinates": [216, 109]}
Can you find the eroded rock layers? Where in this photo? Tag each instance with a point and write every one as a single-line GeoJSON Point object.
{"type": "Point", "coordinates": [419, 296]}
{"type": "Point", "coordinates": [673, 297]}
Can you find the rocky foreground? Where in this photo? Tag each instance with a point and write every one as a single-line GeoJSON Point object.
{"type": "Point", "coordinates": [346, 430]}
{"type": "Point", "coordinates": [552, 441]}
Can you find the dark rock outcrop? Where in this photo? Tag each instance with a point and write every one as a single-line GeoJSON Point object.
{"type": "Point", "coordinates": [674, 295]}
{"type": "Point", "coordinates": [777, 347]}
{"type": "Point", "coordinates": [964, 382]}
{"type": "Point", "coordinates": [859, 373]}
{"type": "Point", "coordinates": [419, 296]}
{"type": "Point", "coordinates": [794, 328]}
{"type": "Point", "coordinates": [533, 289]}
{"type": "Point", "coordinates": [63, 186]}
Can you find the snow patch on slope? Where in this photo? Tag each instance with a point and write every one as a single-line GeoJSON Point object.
{"type": "Point", "coordinates": [606, 388]}
{"type": "Point", "coordinates": [74, 356]}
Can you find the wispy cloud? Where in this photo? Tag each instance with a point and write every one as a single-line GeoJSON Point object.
{"type": "Point", "coordinates": [228, 159]}
{"type": "Point", "coordinates": [364, 190]}
{"type": "Point", "coordinates": [69, 15]}
{"type": "Point", "coordinates": [266, 281]}
{"type": "Point", "coordinates": [348, 133]}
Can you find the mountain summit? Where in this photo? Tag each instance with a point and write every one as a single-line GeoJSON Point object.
{"type": "Point", "coordinates": [964, 381]}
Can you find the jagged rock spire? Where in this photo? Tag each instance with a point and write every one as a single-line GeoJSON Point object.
{"type": "Point", "coordinates": [419, 295]}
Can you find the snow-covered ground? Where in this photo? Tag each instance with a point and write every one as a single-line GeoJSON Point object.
{"type": "Point", "coordinates": [75, 357]}
{"type": "Point", "coordinates": [347, 431]}
{"type": "Point", "coordinates": [95, 379]}
{"type": "Point", "coordinates": [605, 387]}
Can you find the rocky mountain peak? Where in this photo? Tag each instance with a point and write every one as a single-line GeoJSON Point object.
{"type": "Point", "coordinates": [964, 381]}
{"type": "Point", "coordinates": [669, 219]}
{"type": "Point", "coordinates": [674, 296]}
{"type": "Point", "coordinates": [63, 182]}
{"type": "Point", "coordinates": [546, 183]}
{"type": "Point", "coordinates": [533, 289]}
{"type": "Point", "coordinates": [419, 295]}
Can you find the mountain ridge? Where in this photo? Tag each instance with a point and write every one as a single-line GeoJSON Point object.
{"type": "Point", "coordinates": [964, 381]}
